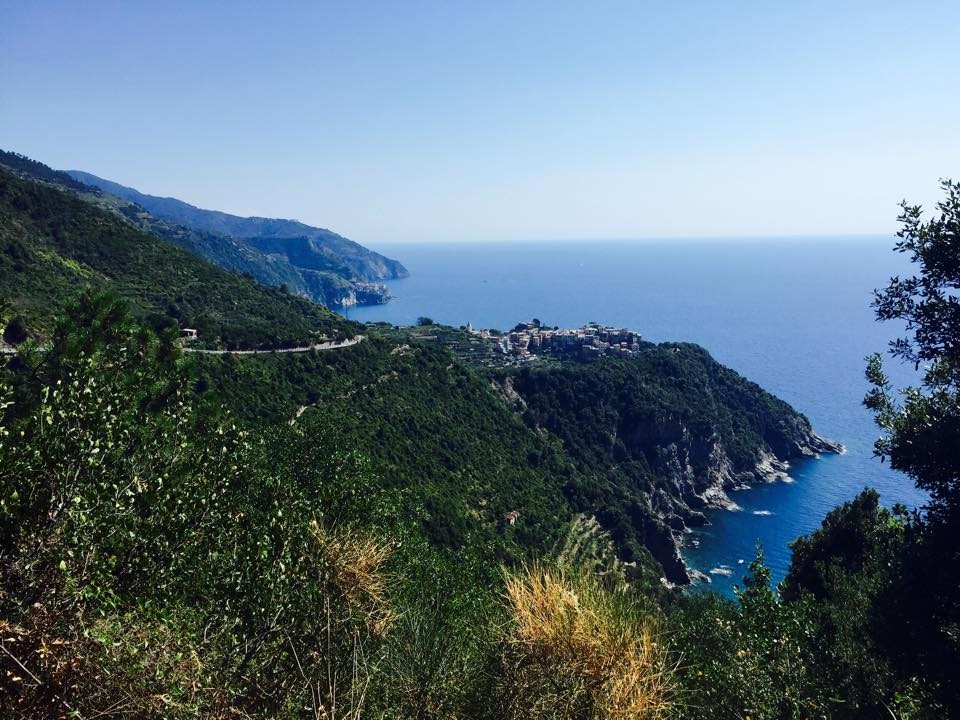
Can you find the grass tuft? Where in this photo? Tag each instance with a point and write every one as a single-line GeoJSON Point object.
{"type": "Point", "coordinates": [578, 648]}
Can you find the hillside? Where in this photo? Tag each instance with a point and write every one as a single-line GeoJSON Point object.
{"type": "Point", "coordinates": [643, 444]}
{"type": "Point", "coordinates": [54, 244]}
{"type": "Point", "coordinates": [376, 524]}
{"type": "Point", "coordinates": [312, 252]}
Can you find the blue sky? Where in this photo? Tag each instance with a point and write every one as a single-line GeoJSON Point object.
{"type": "Point", "coordinates": [405, 121]}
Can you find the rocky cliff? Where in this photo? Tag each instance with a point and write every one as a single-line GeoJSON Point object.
{"type": "Point", "coordinates": [661, 437]}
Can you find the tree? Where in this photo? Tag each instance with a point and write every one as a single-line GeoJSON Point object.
{"type": "Point", "coordinates": [424, 321]}
{"type": "Point", "coordinates": [921, 429]}
{"type": "Point", "coordinates": [921, 437]}
{"type": "Point", "coordinates": [842, 569]}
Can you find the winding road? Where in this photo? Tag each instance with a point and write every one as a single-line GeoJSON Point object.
{"type": "Point", "coordinates": [330, 345]}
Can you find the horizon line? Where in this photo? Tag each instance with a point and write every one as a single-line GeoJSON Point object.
{"type": "Point", "coordinates": [753, 237]}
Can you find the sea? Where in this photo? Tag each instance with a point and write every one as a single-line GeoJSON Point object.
{"type": "Point", "coordinates": [792, 314]}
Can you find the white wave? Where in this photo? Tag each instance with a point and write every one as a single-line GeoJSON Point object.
{"type": "Point", "coordinates": [762, 512]}
{"type": "Point", "coordinates": [722, 570]}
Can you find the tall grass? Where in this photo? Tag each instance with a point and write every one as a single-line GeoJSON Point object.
{"type": "Point", "coordinates": [575, 648]}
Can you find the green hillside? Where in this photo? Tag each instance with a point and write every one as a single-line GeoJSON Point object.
{"type": "Point", "coordinates": [659, 437]}
{"type": "Point", "coordinates": [54, 244]}
{"type": "Point", "coordinates": [322, 278]}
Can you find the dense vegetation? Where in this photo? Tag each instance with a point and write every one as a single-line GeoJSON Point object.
{"type": "Point", "coordinates": [870, 609]}
{"type": "Point", "coordinates": [330, 534]}
{"type": "Point", "coordinates": [164, 557]}
{"type": "Point", "coordinates": [429, 426]}
{"type": "Point", "coordinates": [52, 244]}
{"type": "Point", "coordinates": [28, 167]}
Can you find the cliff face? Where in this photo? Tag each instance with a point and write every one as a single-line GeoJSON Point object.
{"type": "Point", "coordinates": [699, 468]}
{"type": "Point", "coordinates": [664, 436]}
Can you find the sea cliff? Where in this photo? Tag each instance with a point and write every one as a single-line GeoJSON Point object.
{"type": "Point", "coordinates": [664, 436]}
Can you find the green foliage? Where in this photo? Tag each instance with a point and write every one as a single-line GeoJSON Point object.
{"type": "Point", "coordinates": [162, 559]}
{"type": "Point", "coordinates": [632, 425]}
{"type": "Point", "coordinates": [128, 512]}
{"type": "Point", "coordinates": [860, 538]}
{"type": "Point", "coordinates": [431, 427]}
{"type": "Point", "coordinates": [848, 570]}
{"type": "Point", "coordinates": [756, 658]}
{"type": "Point", "coordinates": [24, 166]}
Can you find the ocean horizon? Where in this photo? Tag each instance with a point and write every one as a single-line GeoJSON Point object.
{"type": "Point", "coordinates": [791, 314]}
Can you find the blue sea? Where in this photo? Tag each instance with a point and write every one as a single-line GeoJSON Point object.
{"type": "Point", "coordinates": [791, 314]}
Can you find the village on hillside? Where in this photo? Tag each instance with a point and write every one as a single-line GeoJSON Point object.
{"type": "Point", "coordinates": [531, 339]}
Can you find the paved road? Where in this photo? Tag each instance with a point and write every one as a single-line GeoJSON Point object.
{"type": "Point", "coordinates": [306, 348]}
{"type": "Point", "coordinates": [331, 345]}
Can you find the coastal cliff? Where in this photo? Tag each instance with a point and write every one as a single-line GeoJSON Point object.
{"type": "Point", "coordinates": [663, 437]}
{"type": "Point", "coordinates": [310, 262]}
{"type": "Point", "coordinates": [303, 246]}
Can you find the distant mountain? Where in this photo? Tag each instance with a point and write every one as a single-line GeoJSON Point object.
{"type": "Point", "coordinates": [305, 247]}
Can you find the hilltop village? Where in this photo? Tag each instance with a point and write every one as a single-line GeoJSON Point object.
{"type": "Point", "coordinates": [530, 339]}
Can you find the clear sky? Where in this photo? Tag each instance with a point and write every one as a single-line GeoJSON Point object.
{"type": "Point", "coordinates": [461, 120]}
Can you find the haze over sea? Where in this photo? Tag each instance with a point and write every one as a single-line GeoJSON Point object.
{"type": "Point", "coordinates": [790, 314]}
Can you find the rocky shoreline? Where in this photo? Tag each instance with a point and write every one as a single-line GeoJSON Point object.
{"type": "Point", "coordinates": [363, 293]}
{"type": "Point", "coordinates": [770, 468]}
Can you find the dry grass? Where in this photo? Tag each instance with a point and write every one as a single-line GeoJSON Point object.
{"type": "Point", "coordinates": [356, 565]}
{"type": "Point", "coordinates": [585, 646]}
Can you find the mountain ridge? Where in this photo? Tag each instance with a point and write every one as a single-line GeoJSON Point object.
{"type": "Point", "coordinates": [332, 251]}
{"type": "Point", "coordinates": [317, 265]}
